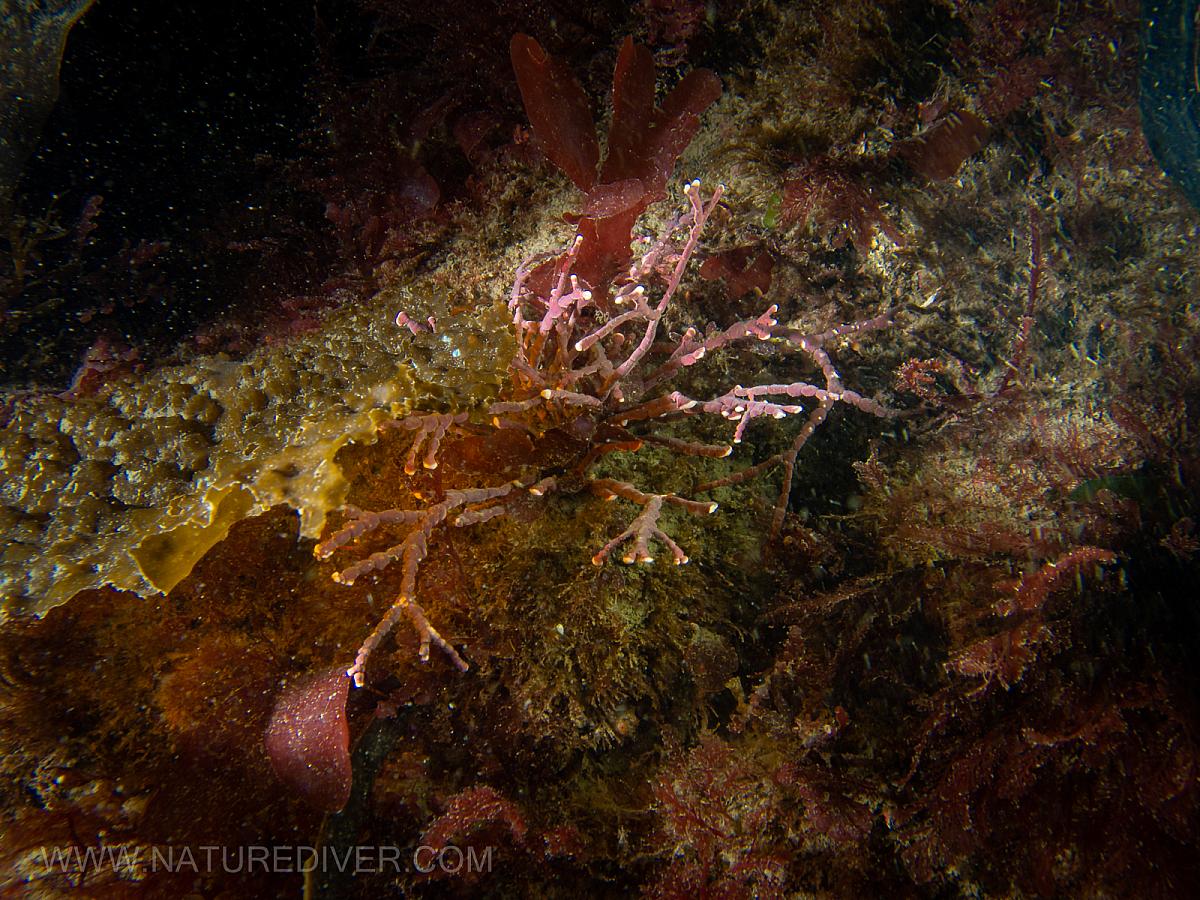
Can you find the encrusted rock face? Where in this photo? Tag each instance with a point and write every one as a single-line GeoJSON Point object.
{"type": "Point", "coordinates": [31, 49]}
{"type": "Point", "coordinates": [130, 488]}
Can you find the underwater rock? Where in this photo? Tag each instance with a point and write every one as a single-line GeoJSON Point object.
{"type": "Point", "coordinates": [1169, 98]}
{"type": "Point", "coordinates": [31, 48]}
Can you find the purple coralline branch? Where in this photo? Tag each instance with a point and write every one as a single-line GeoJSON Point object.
{"type": "Point", "coordinates": [571, 398]}
{"type": "Point", "coordinates": [413, 548]}
{"type": "Point", "coordinates": [641, 310]}
{"type": "Point", "coordinates": [600, 365]}
{"type": "Point", "coordinates": [430, 429]}
{"type": "Point", "coordinates": [548, 348]}
{"type": "Point", "coordinates": [698, 217]}
{"type": "Point", "coordinates": [737, 405]}
{"type": "Point", "coordinates": [411, 551]}
{"type": "Point", "coordinates": [812, 345]}
{"type": "Point", "coordinates": [416, 326]}
{"type": "Point", "coordinates": [759, 328]}
{"type": "Point", "coordinates": [689, 448]}
{"type": "Point", "coordinates": [688, 351]}
{"type": "Point", "coordinates": [743, 404]}
{"type": "Point", "coordinates": [358, 523]}
{"type": "Point", "coordinates": [645, 527]}
{"type": "Point", "coordinates": [510, 407]}
{"type": "Point", "coordinates": [426, 634]}
{"type": "Point", "coordinates": [618, 441]}
{"type": "Point", "coordinates": [657, 408]}
{"type": "Point", "coordinates": [500, 412]}
{"type": "Point", "coordinates": [560, 302]}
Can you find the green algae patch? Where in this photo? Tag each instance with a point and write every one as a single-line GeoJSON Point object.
{"type": "Point", "coordinates": [131, 488]}
{"type": "Point", "coordinates": [165, 559]}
